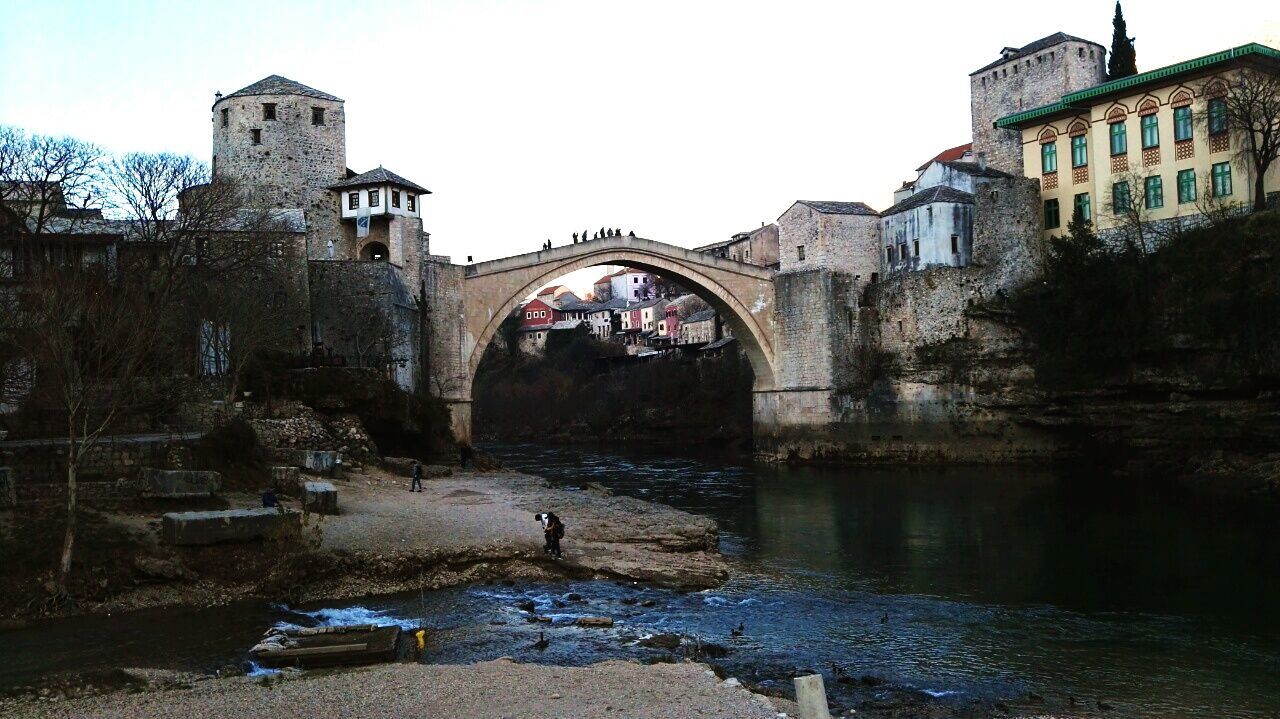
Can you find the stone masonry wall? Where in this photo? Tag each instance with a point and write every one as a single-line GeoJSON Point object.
{"type": "Point", "coordinates": [295, 163]}
{"type": "Point", "coordinates": [1023, 84]}
{"type": "Point", "coordinates": [844, 243]}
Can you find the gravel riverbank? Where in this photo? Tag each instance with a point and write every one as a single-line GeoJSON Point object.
{"type": "Point", "coordinates": [499, 689]}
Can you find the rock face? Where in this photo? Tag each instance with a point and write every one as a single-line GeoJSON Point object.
{"type": "Point", "coordinates": [231, 525]}
{"type": "Point", "coordinates": [8, 490]}
{"type": "Point", "coordinates": [178, 484]}
{"type": "Point", "coordinates": [162, 569]}
{"type": "Point", "coordinates": [320, 497]}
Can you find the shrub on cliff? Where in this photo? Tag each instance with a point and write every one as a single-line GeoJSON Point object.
{"type": "Point", "coordinates": [1206, 302]}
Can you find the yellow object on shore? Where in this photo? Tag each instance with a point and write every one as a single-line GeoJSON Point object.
{"type": "Point", "coordinates": [421, 635]}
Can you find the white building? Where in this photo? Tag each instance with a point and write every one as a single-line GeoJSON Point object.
{"type": "Point", "coordinates": [632, 285]}
{"type": "Point", "coordinates": [934, 226]}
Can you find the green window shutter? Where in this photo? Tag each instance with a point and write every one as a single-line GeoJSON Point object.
{"type": "Point", "coordinates": [1083, 206]}
{"type": "Point", "coordinates": [1217, 116]}
{"type": "Point", "coordinates": [1079, 151]}
{"type": "Point", "coordinates": [1120, 198]}
{"type": "Point", "coordinates": [1150, 132]}
{"type": "Point", "coordinates": [1051, 219]}
{"type": "Point", "coordinates": [1049, 157]}
{"type": "Point", "coordinates": [1222, 179]}
{"type": "Point", "coordinates": [1119, 140]}
{"type": "Point", "coordinates": [1154, 192]}
{"type": "Point", "coordinates": [1181, 123]}
{"type": "Point", "coordinates": [1186, 186]}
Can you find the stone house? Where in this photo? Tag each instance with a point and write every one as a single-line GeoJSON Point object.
{"type": "Point", "coordinates": [700, 328]}
{"type": "Point", "coordinates": [1153, 148]}
{"type": "Point", "coordinates": [838, 236]}
{"type": "Point", "coordinates": [757, 247]}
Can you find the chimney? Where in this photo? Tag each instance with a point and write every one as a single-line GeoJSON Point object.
{"type": "Point", "coordinates": [982, 160]}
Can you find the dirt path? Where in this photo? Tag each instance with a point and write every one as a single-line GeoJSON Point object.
{"type": "Point", "coordinates": [498, 690]}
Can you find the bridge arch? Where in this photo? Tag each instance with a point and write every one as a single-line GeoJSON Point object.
{"type": "Point", "coordinates": [740, 292]}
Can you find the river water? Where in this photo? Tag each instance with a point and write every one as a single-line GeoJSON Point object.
{"type": "Point", "coordinates": [1046, 590]}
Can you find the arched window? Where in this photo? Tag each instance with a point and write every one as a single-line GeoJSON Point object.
{"type": "Point", "coordinates": [374, 251]}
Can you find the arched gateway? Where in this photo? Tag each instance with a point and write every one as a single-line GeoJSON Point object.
{"type": "Point", "coordinates": [742, 293]}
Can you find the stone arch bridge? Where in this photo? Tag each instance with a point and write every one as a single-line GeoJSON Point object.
{"type": "Point", "coordinates": [485, 293]}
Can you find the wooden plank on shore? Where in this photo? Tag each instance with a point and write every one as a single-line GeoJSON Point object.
{"type": "Point", "coordinates": [316, 651]}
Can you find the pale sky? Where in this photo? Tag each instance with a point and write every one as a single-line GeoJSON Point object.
{"type": "Point", "coordinates": [684, 121]}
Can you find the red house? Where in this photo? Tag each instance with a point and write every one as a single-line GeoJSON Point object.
{"type": "Point", "coordinates": [537, 312]}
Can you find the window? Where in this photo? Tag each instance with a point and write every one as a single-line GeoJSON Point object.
{"type": "Point", "coordinates": [1181, 123]}
{"type": "Point", "coordinates": [411, 202]}
{"type": "Point", "coordinates": [955, 244]}
{"type": "Point", "coordinates": [1150, 132]}
{"type": "Point", "coordinates": [373, 198]}
{"type": "Point", "coordinates": [888, 254]}
{"type": "Point", "coordinates": [800, 253]}
{"type": "Point", "coordinates": [1049, 157]}
{"type": "Point", "coordinates": [226, 117]}
{"type": "Point", "coordinates": [1051, 219]}
{"type": "Point", "coordinates": [635, 280]}
{"type": "Point", "coordinates": [1186, 186]}
{"type": "Point", "coordinates": [257, 136]}
{"type": "Point", "coordinates": [240, 248]}
{"type": "Point", "coordinates": [1154, 195]}
{"type": "Point", "coordinates": [395, 198]}
{"type": "Point", "coordinates": [1083, 206]}
{"type": "Point", "coordinates": [528, 315]}
{"type": "Point", "coordinates": [353, 200]}
{"type": "Point", "coordinates": [1119, 138]}
{"type": "Point", "coordinates": [268, 111]}
{"type": "Point", "coordinates": [1217, 116]}
{"type": "Point", "coordinates": [1079, 151]}
{"type": "Point", "coordinates": [277, 249]}
{"type": "Point", "coordinates": [317, 116]}
{"type": "Point", "coordinates": [1221, 179]}
{"type": "Point", "coordinates": [1120, 198]}
{"type": "Point", "coordinates": [915, 249]}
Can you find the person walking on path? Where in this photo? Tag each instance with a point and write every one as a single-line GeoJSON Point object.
{"type": "Point", "coordinates": [416, 473]}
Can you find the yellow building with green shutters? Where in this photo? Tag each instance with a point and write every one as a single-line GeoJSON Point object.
{"type": "Point", "coordinates": [1154, 149]}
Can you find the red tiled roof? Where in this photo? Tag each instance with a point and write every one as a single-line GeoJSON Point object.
{"type": "Point", "coordinates": [950, 155]}
{"type": "Point", "coordinates": [549, 290]}
{"type": "Point", "coordinates": [602, 280]}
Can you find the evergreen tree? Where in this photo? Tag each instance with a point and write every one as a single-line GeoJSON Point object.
{"type": "Point", "coordinates": [1124, 59]}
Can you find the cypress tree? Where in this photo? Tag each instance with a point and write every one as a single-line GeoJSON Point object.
{"type": "Point", "coordinates": [1124, 59]}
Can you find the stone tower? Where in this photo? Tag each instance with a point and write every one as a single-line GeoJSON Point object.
{"type": "Point", "coordinates": [286, 144]}
{"type": "Point", "coordinates": [1025, 78]}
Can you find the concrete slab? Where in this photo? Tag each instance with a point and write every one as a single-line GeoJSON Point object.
{"type": "Point", "coordinates": [286, 479]}
{"type": "Point", "coordinates": [180, 483]}
{"type": "Point", "coordinates": [320, 497]}
{"type": "Point", "coordinates": [228, 525]}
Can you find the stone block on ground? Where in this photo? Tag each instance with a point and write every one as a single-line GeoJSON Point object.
{"type": "Point", "coordinates": [314, 461]}
{"type": "Point", "coordinates": [601, 622]}
{"type": "Point", "coordinates": [228, 525]}
{"type": "Point", "coordinates": [8, 489]}
{"type": "Point", "coordinates": [286, 478]}
{"type": "Point", "coordinates": [180, 483]}
{"type": "Point", "coordinates": [435, 471]}
{"type": "Point", "coordinates": [320, 497]}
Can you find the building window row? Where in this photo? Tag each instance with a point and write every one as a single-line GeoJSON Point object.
{"type": "Point", "coordinates": [375, 199]}
{"type": "Point", "coordinates": [269, 114]}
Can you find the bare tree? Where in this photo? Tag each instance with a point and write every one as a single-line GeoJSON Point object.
{"type": "Point", "coordinates": [82, 332]}
{"type": "Point", "coordinates": [1250, 108]}
{"type": "Point", "coordinates": [1130, 215]}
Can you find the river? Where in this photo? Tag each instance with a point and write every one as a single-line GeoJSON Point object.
{"type": "Point", "coordinates": [1037, 588]}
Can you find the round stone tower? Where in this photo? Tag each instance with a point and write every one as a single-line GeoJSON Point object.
{"type": "Point", "coordinates": [285, 143]}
